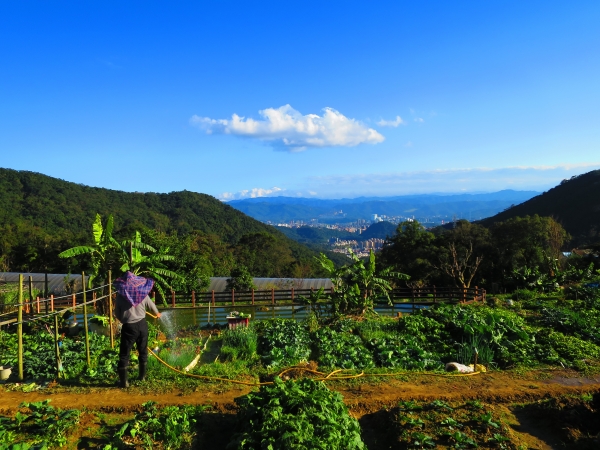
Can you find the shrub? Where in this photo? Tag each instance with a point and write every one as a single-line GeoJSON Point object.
{"type": "Point", "coordinates": [282, 342]}
{"type": "Point", "coordinates": [293, 416]}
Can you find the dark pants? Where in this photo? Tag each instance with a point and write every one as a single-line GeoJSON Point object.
{"type": "Point", "coordinates": [133, 333]}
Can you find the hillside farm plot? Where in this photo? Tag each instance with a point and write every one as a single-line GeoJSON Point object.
{"type": "Point", "coordinates": [389, 373]}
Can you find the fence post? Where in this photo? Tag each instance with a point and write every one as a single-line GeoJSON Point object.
{"type": "Point", "coordinates": [110, 311]}
{"type": "Point", "coordinates": [193, 299]}
{"type": "Point", "coordinates": [292, 295]}
{"type": "Point", "coordinates": [434, 295]}
{"type": "Point", "coordinates": [37, 304]}
{"type": "Point", "coordinates": [74, 300]}
{"type": "Point", "coordinates": [173, 299]}
{"type": "Point", "coordinates": [31, 291]}
{"type": "Point", "coordinates": [233, 297]}
{"type": "Point", "coordinates": [56, 351]}
{"type": "Point", "coordinates": [20, 328]}
{"type": "Point", "coordinates": [52, 303]}
{"type": "Point", "coordinates": [85, 322]}
{"type": "Point", "coordinates": [213, 298]}
{"type": "Point", "coordinates": [46, 290]}
{"type": "Point", "coordinates": [252, 296]}
{"type": "Point", "coordinates": [475, 295]}
{"type": "Point", "coordinates": [272, 296]}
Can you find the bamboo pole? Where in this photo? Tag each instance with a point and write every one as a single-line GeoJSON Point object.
{"type": "Point", "coordinates": [52, 303]}
{"type": "Point", "coordinates": [20, 328]}
{"type": "Point", "coordinates": [110, 311]}
{"type": "Point", "coordinates": [56, 351]}
{"type": "Point", "coordinates": [85, 323]}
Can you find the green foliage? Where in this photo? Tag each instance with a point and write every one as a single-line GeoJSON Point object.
{"type": "Point", "coordinates": [298, 415]}
{"type": "Point", "coordinates": [171, 427]}
{"type": "Point", "coordinates": [282, 342]}
{"type": "Point", "coordinates": [43, 216]}
{"type": "Point", "coordinates": [341, 350]}
{"type": "Point", "coordinates": [356, 286]}
{"type": "Point", "coordinates": [404, 352]}
{"type": "Point", "coordinates": [440, 425]}
{"type": "Point", "coordinates": [239, 343]}
{"type": "Point", "coordinates": [240, 280]}
{"type": "Point", "coordinates": [37, 425]}
{"type": "Point", "coordinates": [558, 348]}
{"type": "Point", "coordinates": [39, 361]}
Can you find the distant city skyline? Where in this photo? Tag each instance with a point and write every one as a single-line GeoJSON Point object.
{"type": "Point", "coordinates": [334, 99]}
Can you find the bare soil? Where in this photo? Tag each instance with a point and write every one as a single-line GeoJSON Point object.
{"type": "Point", "coordinates": [369, 400]}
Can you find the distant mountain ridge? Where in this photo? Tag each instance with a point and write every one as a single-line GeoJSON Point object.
{"type": "Point", "coordinates": [468, 206]}
{"type": "Point", "coordinates": [575, 203]}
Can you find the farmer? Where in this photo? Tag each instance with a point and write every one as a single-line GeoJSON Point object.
{"type": "Point", "coordinates": [130, 309]}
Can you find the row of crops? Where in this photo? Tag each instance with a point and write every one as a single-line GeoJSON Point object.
{"type": "Point", "coordinates": [299, 415]}
{"type": "Point", "coordinates": [533, 331]}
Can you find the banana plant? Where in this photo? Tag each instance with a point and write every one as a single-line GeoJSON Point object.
{"type": "Point", "coordinates": [150, 265]}
{"type": "Point", "coordinates": [102, 252]}
{"type": "Point", "coordinates": [357, 285]}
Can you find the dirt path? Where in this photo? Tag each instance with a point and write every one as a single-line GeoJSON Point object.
{"type": "Point", "coordinates": [362, 396]}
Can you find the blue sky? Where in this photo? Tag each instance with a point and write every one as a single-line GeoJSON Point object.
{"type": "Point", "coordinates": [327, 99]}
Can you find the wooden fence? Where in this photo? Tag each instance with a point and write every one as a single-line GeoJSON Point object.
{"type": "Point", "coordinates": [423, 296]}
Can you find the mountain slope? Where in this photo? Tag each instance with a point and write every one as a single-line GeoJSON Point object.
{"type": "Point", "coordinates": [575, 203]}
{"type": "Point", "coordinates": [40, 214]}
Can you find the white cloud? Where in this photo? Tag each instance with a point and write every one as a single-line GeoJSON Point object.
{"type": "Point", "coordinates": [419, 120]}
{"type": "Point", "coordinates": [287, 127]}
{"type": "Point", "coordinates": [250, 193]}
{"type": "Point", "coordinates": [391, 123]}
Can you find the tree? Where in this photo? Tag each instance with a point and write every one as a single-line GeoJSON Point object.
{"type": "Point", "coordinates": [105, 252]}
{"type": "Point", "coordinates": [151, 265]}
{"type": "Point", "coordinates": [526, 246]}
{"type": "Point", "coordinates": [461, 252]}
{"type": "Point", "coordinates": [357, 285]}
{"type": "Point", "coordinates": [410, 251]}
{"type": "Point", "coordinates": [240, 280]}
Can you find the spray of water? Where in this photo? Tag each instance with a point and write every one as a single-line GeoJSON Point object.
{"type": "Point", "coordinates": [168, 325]}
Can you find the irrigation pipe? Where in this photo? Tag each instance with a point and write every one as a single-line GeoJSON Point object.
{"type": "Point", "coordinates": [326, 378]}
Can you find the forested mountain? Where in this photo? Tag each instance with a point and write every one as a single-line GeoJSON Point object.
{"type": "Point", "coordinates": [468, 206]}
{"type": "Point", "coordinates": [574, 203]}
{"type": "Point", "coordinates": [40, 216]}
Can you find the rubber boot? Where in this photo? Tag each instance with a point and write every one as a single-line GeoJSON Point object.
{"type": "Point", "coordinates": [143, 371]}
{"type": "Point", "coordinates": [123, 383]}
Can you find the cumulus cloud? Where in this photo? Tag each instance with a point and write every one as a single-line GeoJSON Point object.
{"type": "Point", "coordinates": [289, 128]}
{"type": "Point", "coordinates": [391, 123]}
{"type": "Point", "coordinates": [250, 193]}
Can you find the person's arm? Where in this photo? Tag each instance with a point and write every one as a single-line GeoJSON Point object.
{"type": "Point", "coordinates": [150, 304]}
{"type": "Point", "coordinates": [118, 311]}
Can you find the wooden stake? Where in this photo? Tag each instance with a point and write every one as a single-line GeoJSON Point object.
{"type": "Point", "coordinates": [20, 328]}
{"type": "Point", "coordinates": [110, 311]}
{"type": "Point", "coordinates": [85, 323]}
{"type": "Point", "coordinates": [56, 351]}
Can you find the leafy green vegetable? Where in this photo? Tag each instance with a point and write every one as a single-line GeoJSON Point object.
{"type": "Point", "coordinates": [299, 415]}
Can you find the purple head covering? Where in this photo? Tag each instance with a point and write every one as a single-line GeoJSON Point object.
{"type": "Point", "coordinates": [134, 288]}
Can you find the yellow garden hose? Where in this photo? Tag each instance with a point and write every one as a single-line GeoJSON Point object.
{"type": "Point", "coordinates": [306, 369]}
